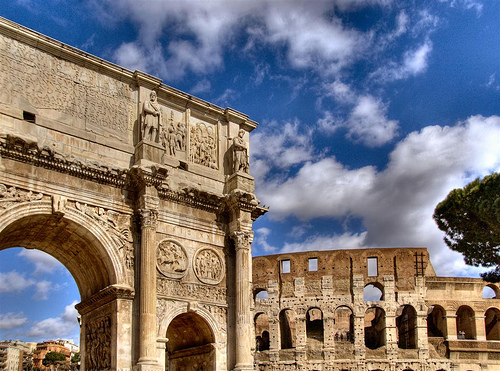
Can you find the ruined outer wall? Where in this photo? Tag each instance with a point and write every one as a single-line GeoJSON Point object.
{"type": "Point", "coordinates": [335, 286]}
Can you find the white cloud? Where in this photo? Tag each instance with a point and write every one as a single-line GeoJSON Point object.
{"type": "Point", "coordinates": [281, 146]}
{"type": "Point", "coordinates": [43, 289]}
{"type": "Point", "coordinates": [261, 235]}
{"type": "Point", "coordinates": [11, 320]}
{"type": "Point", "coordinates": [367, 122]}
{"type": "Point", "coordinates": [44, 263]}
{"type": "Point", "coordinates": [14, 282]}
{"type": "Point", "coordinates": [58, 327]}
{"type": "Point", "coordinates": [415, 61]}
{"type": "Point", "coordinates": [201, 86]}
{"type": "Point", "coordinates": [396, 204]}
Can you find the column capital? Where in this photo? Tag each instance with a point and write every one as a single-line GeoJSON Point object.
{"type": "Point", "coordinates": [242, 239]}
{"type": "Point", "coordinates": [149, 218]}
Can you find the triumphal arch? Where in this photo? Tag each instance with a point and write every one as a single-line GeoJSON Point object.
{"type": "Point", "coordinates": [143, 192]}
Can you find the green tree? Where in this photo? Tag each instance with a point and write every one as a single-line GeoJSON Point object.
{"type": "Point", "coordinates": [470, 217]}
{"type": "Point", "coordinates": [54, 359]}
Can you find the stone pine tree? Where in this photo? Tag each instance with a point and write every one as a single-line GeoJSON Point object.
{"type": "Point", "coordinates": [470, 217]}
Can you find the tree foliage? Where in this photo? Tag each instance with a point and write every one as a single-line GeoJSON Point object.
{"type": "Point", "coordinates": [53, 358]}
{"type": "Point", "coordinates": [470, 217]}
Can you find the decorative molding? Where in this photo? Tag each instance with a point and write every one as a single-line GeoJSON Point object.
{"type": "Point", "coordinates": [12, 195]}
{"type": "Point", "coordinates": [28, 151]}
{"type": "Point", "coordinates": [105, 296]}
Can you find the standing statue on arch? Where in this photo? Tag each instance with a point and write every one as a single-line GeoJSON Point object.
{"type": "Point", "coordinates": [151, 119]}
{"type": "Point", "coordinates": [240, 153]}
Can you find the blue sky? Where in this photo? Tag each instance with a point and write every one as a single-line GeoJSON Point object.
{"type": "Point", "coordinates": [370, 112]}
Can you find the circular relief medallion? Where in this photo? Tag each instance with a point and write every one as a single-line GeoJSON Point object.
{"type": "Point", "coordinates": [208, 266]}
{"type": "Point", "coordinates": [171, 259]}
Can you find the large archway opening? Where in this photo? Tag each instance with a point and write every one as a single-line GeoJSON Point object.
{"type": "Point", "coordinates": [92, 258]}
{"type": "Point", "coordinates": [190, 344]}
{"type": "Point", "coordinates": [406, 325]}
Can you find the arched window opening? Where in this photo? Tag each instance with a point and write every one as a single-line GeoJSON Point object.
{"type": "Point", "coordinates": [466, 323]}
{"type": "Point", "coordinates": [314, 333]}
{"type": "Point", "coordinates": [190, 343]}
{"type": "Point", "coordinates": [287, 328]}
{"type": "Point", "coordinates": [343, 330]}
{"type": "Point", "coordinates": [261, 294]}
{"type": "Point", "coordinates": [436, 322]}
{"type": "Point", "coordinates": [490, 292]}
{"type": "Point", "coordinates": [373, 292]}
{"type": "Point", "coordinates": [406, 324]}
{"type": "Point", "coordinates": [261, 332]}
{"type": "Point", "coordinates": [492, 324]}
{"type": "Point", "coordinates": [374, 328]}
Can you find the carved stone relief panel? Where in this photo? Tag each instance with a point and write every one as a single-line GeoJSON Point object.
{"type": "Point", "coordinates": [174, 135]}
{"type": "Point", "coordinates": [171, 259]}
{"type": "Point", "coordinates": [98, 344]}
{"type": "Point", "coordinates": [64, 88]}
{"type": "Point", "coordinates": [117, 225]}
{"type": "Point", "coordinates": [203, 144]}
{"type": "Point", "coordinates": [174, 288]}
{"type": "Point", "coordinates": [208, 266]}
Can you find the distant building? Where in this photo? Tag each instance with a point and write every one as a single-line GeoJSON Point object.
{"type": "Point", "coordinates": [46, 347]}
{"type": "Point", "coordinates": [12, 354]}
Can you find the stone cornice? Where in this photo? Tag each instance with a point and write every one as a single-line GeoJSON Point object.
{"type": "Point", "coordinates": [105, 296]}
{"type": "Point", "coordinates": [195, 198]}
{"type": "Point", "coordinates": [27, 150]}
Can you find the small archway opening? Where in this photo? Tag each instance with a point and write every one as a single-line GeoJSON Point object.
{"type": "Point", "coordinates": [373, 292]}
{"type": "Point", "coordinates": [492, 324]}
{"type": "Point", "coordinates": [466, 323]}
{"type": "Point", "coordinates": [261, 332]}
{"type": "Point", "coordinates": [490, 292]}
{"type": "Point", "coordinates": [314, 333]}
{"type": "Point", "coordinates": [287, 328]}
{"type": "Point", "coordinates": [190, 344]}
{"type": "Point", "coordinates": [406, 324]}
{"type": "Point", "coordinates": [436, 322]}
{"type": "Point", "coordinates": [375, 328]}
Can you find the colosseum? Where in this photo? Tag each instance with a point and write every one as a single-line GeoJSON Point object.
{"type": "Point", "coordinates": [371, 309]}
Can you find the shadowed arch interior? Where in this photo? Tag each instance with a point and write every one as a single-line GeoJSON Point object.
{"type": "Point", "coordinates": [188, 330]}
{"type": "Point", "coordinates": [72, 244]}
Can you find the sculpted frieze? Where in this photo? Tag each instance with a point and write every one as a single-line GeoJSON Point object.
{"type": "Point", "coordinates": [208, 266]}
{"type": "Point", "coordinates": [203, 145]}
{"type": "Point", "coordinates": [218, 313]}
{"type": "Point", "coordinates": [98, 344]}
{"type": "Point", "coordinates": [12, 195]}
{"type": "Point", "coordinates": [64, 87]}
{"type": "Point", "coordinates": [171, 259]}
{"type": "Point", "coordinates": [174, 288]}
{"type": "Point", "coordinates": [116, 224]}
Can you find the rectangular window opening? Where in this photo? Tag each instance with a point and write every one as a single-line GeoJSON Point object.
{"type": "Point", "coordinates": [28, 116]}
{"type": "Point", "coordinates": [372, 266]}
{"type": "Point", "coordinates": [285, 266]}
{"type": "Point", "coordinates": [313, 264]}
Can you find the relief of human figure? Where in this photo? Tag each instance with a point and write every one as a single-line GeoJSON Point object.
{"type": "Point", "coordinates": [151, 119]}
{"type": "Point", "coordinates": [240, 153]}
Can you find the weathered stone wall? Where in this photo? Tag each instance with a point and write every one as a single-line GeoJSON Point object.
{"type": "Point", "coordinates": [370, 309]}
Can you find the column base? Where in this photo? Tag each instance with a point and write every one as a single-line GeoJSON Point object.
{"type": "Point", "coordinates": [243, 368]}
{"type": "Point", "coordinates": [148, 364]}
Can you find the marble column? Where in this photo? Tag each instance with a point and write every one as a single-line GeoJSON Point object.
{"type": "Point", "coordinates": [244, 322]}
{"type": "Point", "coordinates": [147, 298]}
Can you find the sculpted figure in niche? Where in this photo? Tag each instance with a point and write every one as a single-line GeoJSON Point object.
{"type": "Point", "coordinates": [240, 153]}
{"type": "Point", "coordinates": [151, 119]}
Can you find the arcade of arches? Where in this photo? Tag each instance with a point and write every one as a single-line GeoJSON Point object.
{"type": "Point", "coordinates": [143, 192]}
